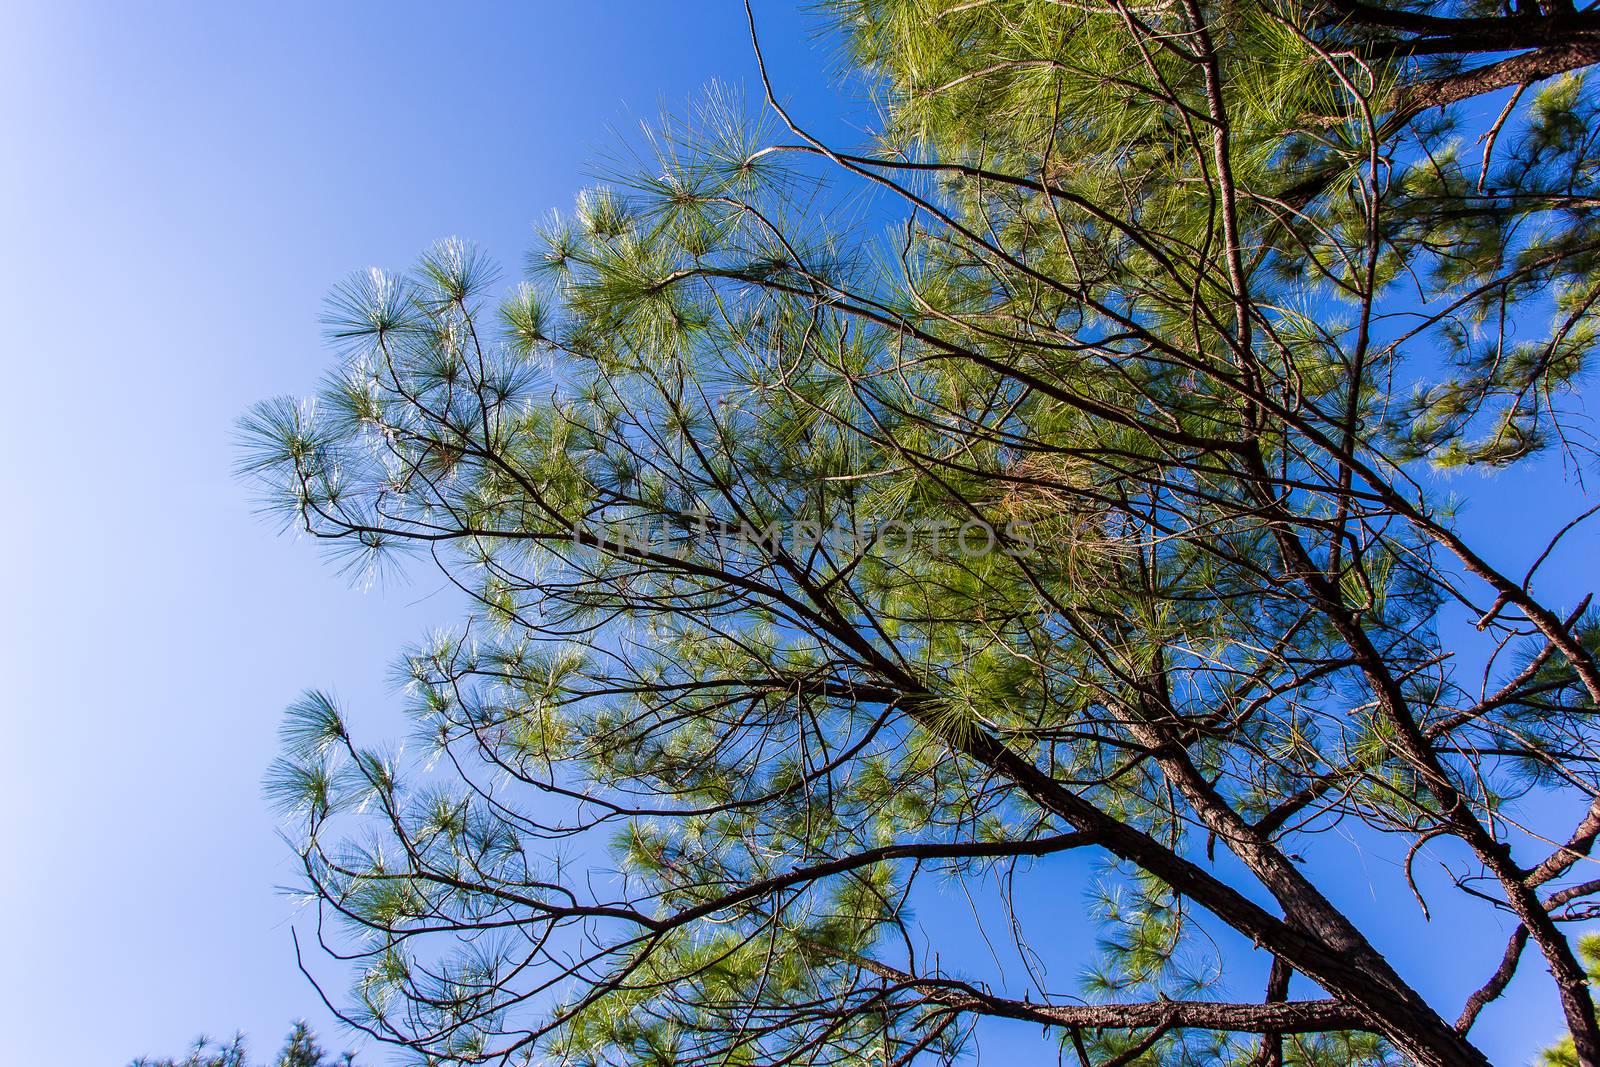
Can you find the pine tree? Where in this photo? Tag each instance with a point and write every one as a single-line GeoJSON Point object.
{"type": "Point", "coordinates": [1088, 508]}
{"type": "Point", "coordinates": [300, 1049]}
{"type": "Point", "coordinates": [1563, 1053]}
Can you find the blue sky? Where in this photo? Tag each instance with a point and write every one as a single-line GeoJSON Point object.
{"type": "Point", "coordinates": [181, 185]}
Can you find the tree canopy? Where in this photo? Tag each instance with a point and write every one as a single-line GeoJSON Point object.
{"type": "Point", "coordinates": [300, 1049]}
{"type": "Point", "coordinates": [1053, 474]}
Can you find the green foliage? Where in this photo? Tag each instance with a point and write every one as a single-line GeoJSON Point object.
{"type": "Point", "coordinates": [1180, 303]}
{"type": "Point", "coordinates": [1562, 1053]}
{"type": "Point", "coordinates": [300, 1049]}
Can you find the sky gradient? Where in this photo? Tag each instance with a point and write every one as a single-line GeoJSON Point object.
{"type": "Point", "coordinates": [182, 185]}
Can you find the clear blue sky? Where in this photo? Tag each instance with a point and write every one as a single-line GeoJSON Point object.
{"type": "Point", "coordinates": [181, 185]}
